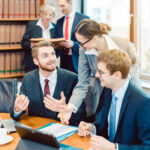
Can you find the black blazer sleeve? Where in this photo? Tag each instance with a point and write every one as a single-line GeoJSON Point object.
{"type": "Point", "coordinates": [26, 38]}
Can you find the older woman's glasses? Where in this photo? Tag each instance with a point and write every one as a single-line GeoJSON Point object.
{"type": "Point", "coordinates": [82, 44]}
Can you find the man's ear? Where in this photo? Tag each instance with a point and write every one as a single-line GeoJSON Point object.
{"type": "Point", "coordinates": [36, 62]}
{"type": "Point", "coordinates": [118, 74]}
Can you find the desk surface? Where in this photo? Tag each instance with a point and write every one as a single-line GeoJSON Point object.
{"type": "Point", "coordinates": [37, 122]}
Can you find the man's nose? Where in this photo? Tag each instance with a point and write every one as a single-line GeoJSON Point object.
{"type": "Point", "coordinates": [97, 75]}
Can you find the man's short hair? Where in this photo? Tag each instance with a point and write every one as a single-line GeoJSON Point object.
{"type": "Point", "coordinates": [38, 45]}
{"type": "Point", "coordinates": [116, 60]}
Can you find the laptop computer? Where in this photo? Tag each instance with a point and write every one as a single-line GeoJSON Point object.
{"type": "Point", "coordinates": [34, 138]}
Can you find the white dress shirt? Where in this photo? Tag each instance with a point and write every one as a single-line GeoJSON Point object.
{"type": "Point", "coordinates": [71, 19]}
{"type": "Point", "coordinates": [52, 82]}
{"type": "Point", "coordinates": [45, 32]}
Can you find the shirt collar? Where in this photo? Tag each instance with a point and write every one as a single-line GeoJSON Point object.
{"type": "Point", "coordinates": [50, 78]}
{"type": "Point", "coordinates": [121, 92]}
{"type": "Point", "coordinates": [110, 45]}
{"type": "Point", "coordinates": [39, 23]}
{"type": "Point", "coordinates": [91, 52]}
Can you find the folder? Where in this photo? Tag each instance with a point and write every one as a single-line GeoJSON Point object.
{"type": "Point", "coordinates": [21, 8]}
{"type": "Point", "coordinates": [7, 62]}
{"type": "Point", "coordinates": [13, 63]}
{"type": "Point", "coordinates": [60, 138]}
{"type": "Point", "coordinates": [5, 8]}
{"type": "Point", "coordinates": [26, 8]}
{"type": "Point", "coordinates": [16, 12]}
{"type": "Point", "coordinates": [12, 35]}
{"type": "Point", "coordinates": [2, 64]}
{"type": "Point", "coordinates": [11, 8]}
{"type": "Point", "coordinates": [37, 9]}
{"type": "Point", "coordinates": [1, 8]}
{"type": "Point", "coordinates": [2, 36]}
{"type": "Point", "coordinates": [32, 8]}
{"type": "Point", "coordinates": [17, 33]}
{"type": "Point", "coordinates": [7, 35]}
{"type": "Point", "coordinates": [18, 61]}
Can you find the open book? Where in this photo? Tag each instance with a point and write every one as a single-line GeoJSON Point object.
{"type": "Point", "coordinates": [54, 41]}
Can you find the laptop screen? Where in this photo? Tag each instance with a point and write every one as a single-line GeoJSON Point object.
{"type": "Point", "coordinates": [37, 136]}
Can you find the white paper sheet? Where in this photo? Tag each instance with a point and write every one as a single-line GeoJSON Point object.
{"type": "Point", "coordinates": [58, 129]}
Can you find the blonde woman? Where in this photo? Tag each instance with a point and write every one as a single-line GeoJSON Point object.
{"type": "Point", "coordinates": [43, 27]}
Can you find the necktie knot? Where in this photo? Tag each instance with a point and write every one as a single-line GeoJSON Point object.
{"type": "Point", "coordinates": [114, 97]}
{"type": "Point", "coordinates": [46, 81]}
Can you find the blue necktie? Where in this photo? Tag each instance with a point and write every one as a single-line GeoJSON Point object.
{"type": "Point", "coordinates": [112, 121]}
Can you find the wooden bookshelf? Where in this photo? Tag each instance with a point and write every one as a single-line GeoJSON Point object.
{"type": "Point", "coordinates": [17, 19]}
{"type": "Point", "coordinates": [11, 76]}
{"type": "Point", "coordinates": [11, 24]}
{"type": "Point", "coordinates": [11, 48]}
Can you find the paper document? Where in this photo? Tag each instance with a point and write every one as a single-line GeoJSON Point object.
{"type": "Point", "coordinates": [58, 129]}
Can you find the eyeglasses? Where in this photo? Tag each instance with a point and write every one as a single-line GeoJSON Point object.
{"type": "Point", "coordinates": [82, 44]}
{"type": "Point", "coordinates": [100, 72]}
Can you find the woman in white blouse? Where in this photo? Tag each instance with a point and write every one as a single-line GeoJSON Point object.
{"type": "Point", "coordinates": [41, 28]}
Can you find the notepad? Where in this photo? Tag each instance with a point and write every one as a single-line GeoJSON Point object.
{"type": "Point", "coordinates": [60, 131]}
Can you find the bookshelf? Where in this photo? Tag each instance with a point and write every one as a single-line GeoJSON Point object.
{"type": "Point", "coordinates": [14, 16]}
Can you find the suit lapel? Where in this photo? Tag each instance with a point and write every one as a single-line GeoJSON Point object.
{"type": "Point", "coordinates": [59, 82]}
{"type": "Point", "coordinates": [92, 63]}
{"type": "Point", "coordinates": [60, 28]}
{"type": "Point", "coordinates": [38, 85]}
{"type": "Point", "coordinates": [103, 107]}
{"type": "Point", "coordinates": [38, 31]}
{"type": "Point", "coordinates": [75, 22]}
{"type": "Point", "coordinates": [52, 32]}
{"type": "Point", "coordinates": [124, 104]}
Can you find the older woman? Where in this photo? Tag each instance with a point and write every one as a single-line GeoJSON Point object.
{"type": "Point", "coordinates": [93, 39]}
{"type": "Point", "coordinates": [41, 28]}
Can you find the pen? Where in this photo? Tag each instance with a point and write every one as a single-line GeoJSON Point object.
{"type": "Point", "coordinates": [60, 115]}
{"type": "Point", "coordinates": [26, 108]}
{"type": "Point", "coordinates": [84, 129]}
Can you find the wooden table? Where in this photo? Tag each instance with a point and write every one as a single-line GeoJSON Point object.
{"type": "Point", "coordinates": [37, 122]}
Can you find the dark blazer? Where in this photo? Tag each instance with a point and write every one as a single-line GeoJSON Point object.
{"type": "Point", "coordinates": [59, 34]}
{"type": "Point", "coordinates": [31, 87]}
{"type": "Point", "coordinates": [133, 130]}
{"type": "Point", "coordinates": [32, 31]}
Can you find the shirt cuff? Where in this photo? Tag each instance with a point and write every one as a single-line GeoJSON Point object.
{"type": "Point", "coordinates": [117, 146]}
{"type": "Point", "coordinates": [72, 107]}
{"type": "Point", "coordinates": [16, 114]}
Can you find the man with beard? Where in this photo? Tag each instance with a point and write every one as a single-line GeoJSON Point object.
{"type": "Point", "coordinates": [41, 86]}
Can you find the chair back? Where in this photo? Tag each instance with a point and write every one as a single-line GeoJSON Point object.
{"type": "Point", "coordinates": [8, 91]}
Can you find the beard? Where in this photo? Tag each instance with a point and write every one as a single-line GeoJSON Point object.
{"type": "Point", "coordinates": [45, 68]}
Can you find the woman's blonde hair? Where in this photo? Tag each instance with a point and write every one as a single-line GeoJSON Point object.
{"type": "Point", "coordinates": [89, 28]}
{"type": "Point", "coordinates": [47, 7]}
